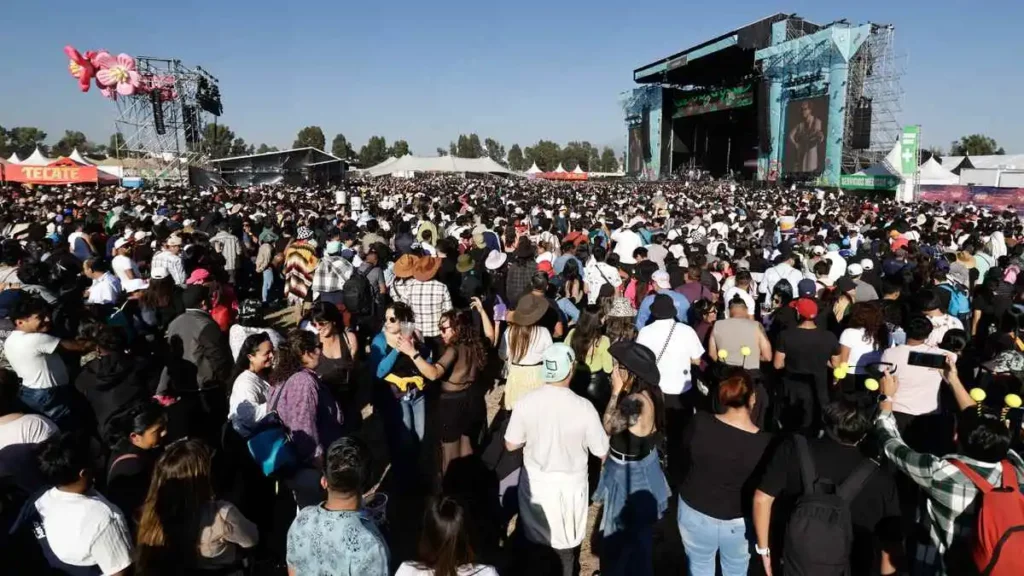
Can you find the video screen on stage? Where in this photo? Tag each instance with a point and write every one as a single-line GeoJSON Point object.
{"type": "Point", "coordinates": [638, 144]}
{"type": "Point", "coordinates": [806, 127]}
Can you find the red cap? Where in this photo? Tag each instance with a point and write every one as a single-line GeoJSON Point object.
{"type": "Point", "coordinates": [900, 242]}
{"type": "Point", "coordinates": [805, 308]}
{"type": "Point", "coordinates": [546, 267]}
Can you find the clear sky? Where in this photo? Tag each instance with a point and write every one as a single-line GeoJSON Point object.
{"type": "Point", "coordinates": [516, 71]}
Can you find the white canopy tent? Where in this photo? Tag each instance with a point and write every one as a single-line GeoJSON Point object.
{"type": "Point", "coordinates": [77, 157]}
{"type": "Point", "coordinates": [14, 158]}
{"type": "Point", "coordinates": [534, 169]}
{"type": "Point", "coordinates": [933, 174]}
{"type": "Point", "coordinates": [37, 159]}
{"type": "Point", "coordinates": [409, 165]}
{"type": "Point", "coordinates": [578, 170]}
{"type": "Point", "coordinates": [887, 167]}
{"type": "Point", "coordinates": [560, 169]}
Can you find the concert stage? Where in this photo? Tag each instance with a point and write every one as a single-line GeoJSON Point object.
{"type": "Point", "coordinates": [782, 98]}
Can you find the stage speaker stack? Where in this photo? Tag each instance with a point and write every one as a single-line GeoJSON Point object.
{"type": "Point", "coordinates": [764, 131]}
{"type": "Point", "coordinates": [158, 112]}
{"type": "Point", "coordinates": [192, 136]}
{"type": "Point", "coordinates": [861, 138]}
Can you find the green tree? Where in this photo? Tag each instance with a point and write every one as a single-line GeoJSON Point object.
{"type": "Point", "coordinates": [238, 147]}
{"type": "Point", "coordinates": [516, 160]}
{"type": "Point", "coordinates": [608, 161]}
{"type": "Point", "coordinates": [453, 149]}
{"type": "Point", "coordinates": [495, 151]}
{"type": "Point", "coordinates": [469, 147]}
{"type": "Point", "coordinates": [975, 145]}
{"type": "Point", "coordinates": [310, 136]}
{"type": "Point", "coordinates": [374, 152]}
{"type": "Point", "coordinates": [4, 150]}
{"type": "Point", "coordinates": [263, 149]}
{"type": "Point", "coordinates": [217, 140]}
{"type": "Point", "coordinates": [399, 148]}
{"type": "Point", "coordinates": [441, 152]}
{"type": "Point", "coordinates": [576, 154]}
{"type": "Point", "coordinates": [115, 146]}
{"type": "Point", "coordinates": [25, 139]}
{"type": "Point", "coordinates": [71, 140]}
{"type": "Point", "coordinates": [594, 160]}
{"type": "Point", "coordinates": [545, 153]}
{"type": "Point", "coordinates": [341, 148]}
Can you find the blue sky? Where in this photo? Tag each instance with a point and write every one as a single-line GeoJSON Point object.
{"type": "Point", "coordinates": [516, 71]}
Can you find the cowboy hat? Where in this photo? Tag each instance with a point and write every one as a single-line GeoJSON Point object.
{"type": "Point", "coordinates": [637, 359]}
{"type": "Point", "coordinates": [426, 268]}
{"type": "Point", "coordinates": [530, 309]}
{"type": "Point", "coordinates": [464, 263]}
{"type": "Point", "coordinates": [495, 260]}
{"type": "Point", "coordinates": [405, 265]}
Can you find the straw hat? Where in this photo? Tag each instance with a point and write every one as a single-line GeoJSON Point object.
{"type": "Point", "coordinates": [426, 268]}
{"type": "Point", "coordinates": [405, 265]}
{"type": "Point", "coordinates": [464, 263]}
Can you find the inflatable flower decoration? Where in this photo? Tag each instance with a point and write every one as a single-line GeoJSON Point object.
{"type": "Point", "coordinates": [116, 75]}
{"type": "Point", "coordinates": [80, 67]}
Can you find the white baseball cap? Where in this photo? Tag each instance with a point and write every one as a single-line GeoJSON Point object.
{"type": "Point", "coordinates": [662, 280]}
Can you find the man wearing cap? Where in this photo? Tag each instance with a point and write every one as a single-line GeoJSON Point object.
{"type": "Point", "coordinates": [681, 303]}
{"type": "Point", "coordinates": [865, 292]}
{"type": "Point", "coordinates": [331, 273]}
{"type": "Point", "coordinates": [626, 241]}
{"type": "Point", "coordinates": [556, 429]}
{"type": "Point", "coordinates": [783, 270]}
{"type": "Point", "coordinates": [169, 259]}
{"type": "Point", "coordinates": [122, 264]}
{"type": "Point", "coordinates": [228, 246]}
{"type": "Point", "coordinates": [802, 356]}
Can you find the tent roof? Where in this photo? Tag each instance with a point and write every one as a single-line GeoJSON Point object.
{"type": "Point", "coordinates": [560, 169]}
{"type": "Point", "coordinates": [37, 159]}
{"type": "Point", "coordinates": [534, 169]}
{"type": "Point", "coordinates": [410, 163]}
{"type": "Point", "coordinates": [932, 173]}
{"type": "Point", "coordinates": [322, 157]}
{"type": "Point", "coordinates": [77, 157]}
{"type": "Point", "coordinates": [998, 161]}
{"type": "Point", "coordinates": [578, 170]}
{"type": "Point", "coordinates": [887, 167]}
{"type": "Point", "coordinates": [14, 158]}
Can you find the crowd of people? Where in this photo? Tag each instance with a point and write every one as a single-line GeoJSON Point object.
{"type": "Point", "coordinates": [444, 375]}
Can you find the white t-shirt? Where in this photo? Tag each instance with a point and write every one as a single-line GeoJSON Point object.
{"type": "Point", "coordinates": [33, 356]}
{"type": "Point", "coordinates": [121, 265]}
{"type": "Point", "coordinates": [625, 242]}
{"type": "Point", "coordinates": [862, 350]}
{"type": "Point", "coordinates": [559, 428]}
{"type": "Point", "coordinates": [248, 402]}
{"type": "Point", "coordinates": [919, 386]}
{"type": "Point", "coordinates": [105, 290]}
{"type": "Point", "coordinates": [732, 292]}
{"type": "Point", "coordinates": [596, 275]}
{"type": "Point", "coordinates": [410, 569]}
{"type": "Point", "coordinates": [675, 365]}
{"type": "Point", "coordinates": [85, 530]}
{"type": "Point", "coordinates": [838, 269]}
{"type": "Point", "coordinates": [540, 340]}
{"type": "Point", "coordinates": [28, 429]}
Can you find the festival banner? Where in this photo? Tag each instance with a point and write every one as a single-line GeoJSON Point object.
{"type": "Point", "coordinates": [865, 182]}
{"type": "Point", "coordinates": [909, 146]}
{"type": "Point", "coordinates": [562, 176]}
{"type": "Point", "coordinates": [59, 174]}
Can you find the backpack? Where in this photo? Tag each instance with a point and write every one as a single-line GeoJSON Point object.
{"type": "Point", "coordinates": [1000, 523]}
{"type": "Point", "coordinates": [819, 536]}
{"type": "Point", "coordinates": [959, 305]}
{"type": "Point", "coordinates": [357, 295]}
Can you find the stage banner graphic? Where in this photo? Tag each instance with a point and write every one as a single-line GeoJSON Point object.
{"type": "Point", "coordinates": [51, 174]}
{"type": "Point", "coordinates": [909, 146]}
{"type": "Point", "coordinates": [865, 182]}
{"type": "Point", "coordinates": [713, 101]}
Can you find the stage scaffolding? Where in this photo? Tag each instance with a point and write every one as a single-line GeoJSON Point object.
{"type": "Point", "coordinates": [875, 77]}
{"type": "Point", "coordinates": [161, 129]}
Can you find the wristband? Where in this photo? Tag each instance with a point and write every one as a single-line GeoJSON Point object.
{"type": "Point", "coordinates": [416, 355]}
{"type": "Point", "coordinates": [762, 551]}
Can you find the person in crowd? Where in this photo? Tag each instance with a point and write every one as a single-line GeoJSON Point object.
{"type": "Point", "coordinates": [122, 264]}
{"type": "Point", "coordinates": [230, 249]}
{"type": "Point", "coordinates": [251, 320]}
{"type": "Point", "coordinates": [114, 380]}
{"type": "Point", "coordinates": [598, 274]}
{"type": "Point", "coordinates": [663, 286]}
{"type": "Point", "coordinates": [741, 338]}
{"type": "Point", "coordinates": [307, 408]}
{"type": "Point", "coordinates": [136, 436]}
{"type": "Point", "coordinates": [556, 429]}
{"type": "Point", "coordinates": [835, 458]}
{"type": "Point", "coordinates": [783, 271]}
{"type": "Point", "coordinates": [865, 291]}
{"type": "Point", "coordinates": [247, 404]}
{"type": "Point", "coordinates": [300, 262]}
{"type": "Point", "coordinates": [331, 274]}
{"type": "Point", "coordinates": [445, 543]}
{"type": "Point", "coordinates": [162, 301]}
{"type": "Point", "coordinates": [619, 319]}
{"type": "Point", "coordinates": [169, 260]}
{"type": "Point", "coordinates": [183, 527]}
{"type": "Point", "coordinates": [803, 357]}
{"type": "Point", "coordinates": [333, 537]}
{"type": "Point", "coordinates": [427, 297]}
{"type": "Point", "coordinates": [594, 362]}
{"type": "Point", "coordinates": [20, 433]}
{"type": "Point", "coordinates": [81, 529]}
{"type": "Point", "coordinates": [632, 490]}
{"type": "Point", "coordinates": [522, 347]}
{"type": "Point", "coordinates": [930, 305]}
{"type": "Point", "coordinates": [862, 342]}
{"type": "Point", "coordinates": [338, 358]}
{"type": "Point", "coordinates": [267, 262]}
{"type": "Point", "coordinates": [721, 453]}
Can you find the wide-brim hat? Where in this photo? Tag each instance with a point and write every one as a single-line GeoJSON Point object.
{"type": "Point", "coordinates": [525, 249]}
{"type": "Point", "coordinates": [529, 310]}
{"type": "Point", "coordinates": [495, 260]}
{"type": "Point", "coordinates": [464, 263]}
{"type": "Point", "coordinates": [426, 268]}
{"type": "Point", "coordinates": [638, 359]}
{"type": "Point", "coordinates": [405, 266]}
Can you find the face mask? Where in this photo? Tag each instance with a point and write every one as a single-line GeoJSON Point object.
{"type": "Point", "coordinates": [333, 247]}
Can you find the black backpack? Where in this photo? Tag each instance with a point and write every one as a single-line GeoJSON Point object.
{"type": "Point", "coordinates": [357, 295]}
{"type": "Point", "coordinates": [819, 536]}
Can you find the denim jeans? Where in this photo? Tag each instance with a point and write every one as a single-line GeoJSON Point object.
{"type": "Point", "coordinates": [704, 535]}
{"type": "Point", "coordinates": [54, 403]}
{"type": "Point", "coordinates": [414, 412]}
{"type": "Point", "coordinates": [268, 283]}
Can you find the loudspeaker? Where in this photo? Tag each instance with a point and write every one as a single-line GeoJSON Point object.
{"type": "Point", "coordinates": [158, 112]}
{"type": "Point", "coordinates": [861, 137]}
{"type": "Point", "coordinates": [764, 131]}
{"type": "Point", "coordinates": [190, 117]}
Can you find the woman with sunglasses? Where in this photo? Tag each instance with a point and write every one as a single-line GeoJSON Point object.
{"type": "Point", "coordinates": [337, 361]}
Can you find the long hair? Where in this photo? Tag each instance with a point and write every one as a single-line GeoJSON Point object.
{"type": "Point", "coordinates": [519, 338]}
{"type": "Point", "coordinates": [586, 333]}
{"type": "Point", "coordinates": [620, 328]}
{"type": "Point", "coordinates": [249, 346]}
{"type": "Point", "coordinates": [159, 293]}
{"type": "Point", "coordinates": [179, 492]}
{"type": "Point", "coordinates": [289, 359]}
{"type": "Point", "coordinates": [467, 337]}
{"type": "Point", "coordinates": [869, 316]}
{"type": "Point", "coordinates": [444, 544]}
{"type": "Point", "coordinates": [639, 385]}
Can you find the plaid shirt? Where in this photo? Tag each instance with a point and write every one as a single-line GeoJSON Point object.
{"type": "Point", "coordinates": [172, 264]}
{"type": "Point", "coordinates": [428, 301]}
{"type": "Point", "coordinates": [331, 274]}
{"type": "Point", "coordinates": [951, 507]}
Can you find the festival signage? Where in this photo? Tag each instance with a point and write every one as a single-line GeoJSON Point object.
{"type": "Point", "coordinates": [865, 182]}
{"type": "Point", "coordinates": [562, 176]}
{"type": "Point", "coordinates": [909, 146]}
{"type": "Point", "coordinates": [713, 101]}
{"type": "Point", "coordinates": [53, 174]}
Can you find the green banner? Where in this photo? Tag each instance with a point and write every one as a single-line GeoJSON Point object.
{"type": "Point", "coordinates": [909, 146]}
{"type": "Point", "coordinates": [713, 100]}
{"type": "Point", "coordinates": [863, 182]}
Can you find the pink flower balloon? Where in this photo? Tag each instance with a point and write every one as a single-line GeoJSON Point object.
{"type": "Point", "coordinates": [118, 73]}
{"type": "Point", "coordinates": [80, 67]}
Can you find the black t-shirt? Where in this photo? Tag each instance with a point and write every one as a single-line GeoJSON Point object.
{"type": "Point", "coordinates": [808, 351]}
{"type": "Point", "coordinates": [875, 510]}
{"type": "Point", "coordinates": [720, 461]}
{"type": "Point", "coordinates": [992, 305]}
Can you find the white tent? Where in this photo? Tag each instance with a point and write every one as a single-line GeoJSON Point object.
{"type": "Point", "coordinates": [37, 159]}
{"type": "Point", "coordinates": [988, 162]}
{"type": "Point", "coordinates": [14, 158]}
{"type": "Point", "coordinates": [933, 174]}
{"type": "Point", "coordinates": [77, 157]}
{"type": "Point", "coordinates": [560, 169]}
{"type": "Point", "coordinates": [534, 169]}
{"type": "Point", "coordinates": [409, 165]}
{"type": "Point", "coordinates": [890, 166]}
{"type": "Point", "coordinates": [578, 170]}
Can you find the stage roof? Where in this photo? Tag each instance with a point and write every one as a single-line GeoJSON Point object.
{"type": "Point", "coordinates": [316, 156]}
{"type": "Point", "coordinates": [721, 60]}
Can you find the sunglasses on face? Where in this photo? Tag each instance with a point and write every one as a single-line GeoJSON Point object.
{"type": "Point", "coordinates": [391, 319]}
